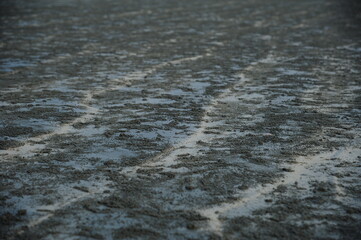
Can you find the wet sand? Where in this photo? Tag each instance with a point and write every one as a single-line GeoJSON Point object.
{"type": "Point", "coordinates": [180, 120]}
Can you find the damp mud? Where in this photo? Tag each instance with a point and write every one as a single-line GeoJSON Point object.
{"type": "Point", "coordinates": [180, 119]}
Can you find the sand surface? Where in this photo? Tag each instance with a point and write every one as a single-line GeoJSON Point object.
{"type": "Point", "coordinates": [185, 119]}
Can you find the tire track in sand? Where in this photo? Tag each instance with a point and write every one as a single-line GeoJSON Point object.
{"type": "Point", "coordinates": [168, 157]}
{"type": "Point", "coordinates": [34, 144]}
{"type": "Point", "coordinates": [304, 170]}
{"type": "Point", "coordinates": [91, 113]}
